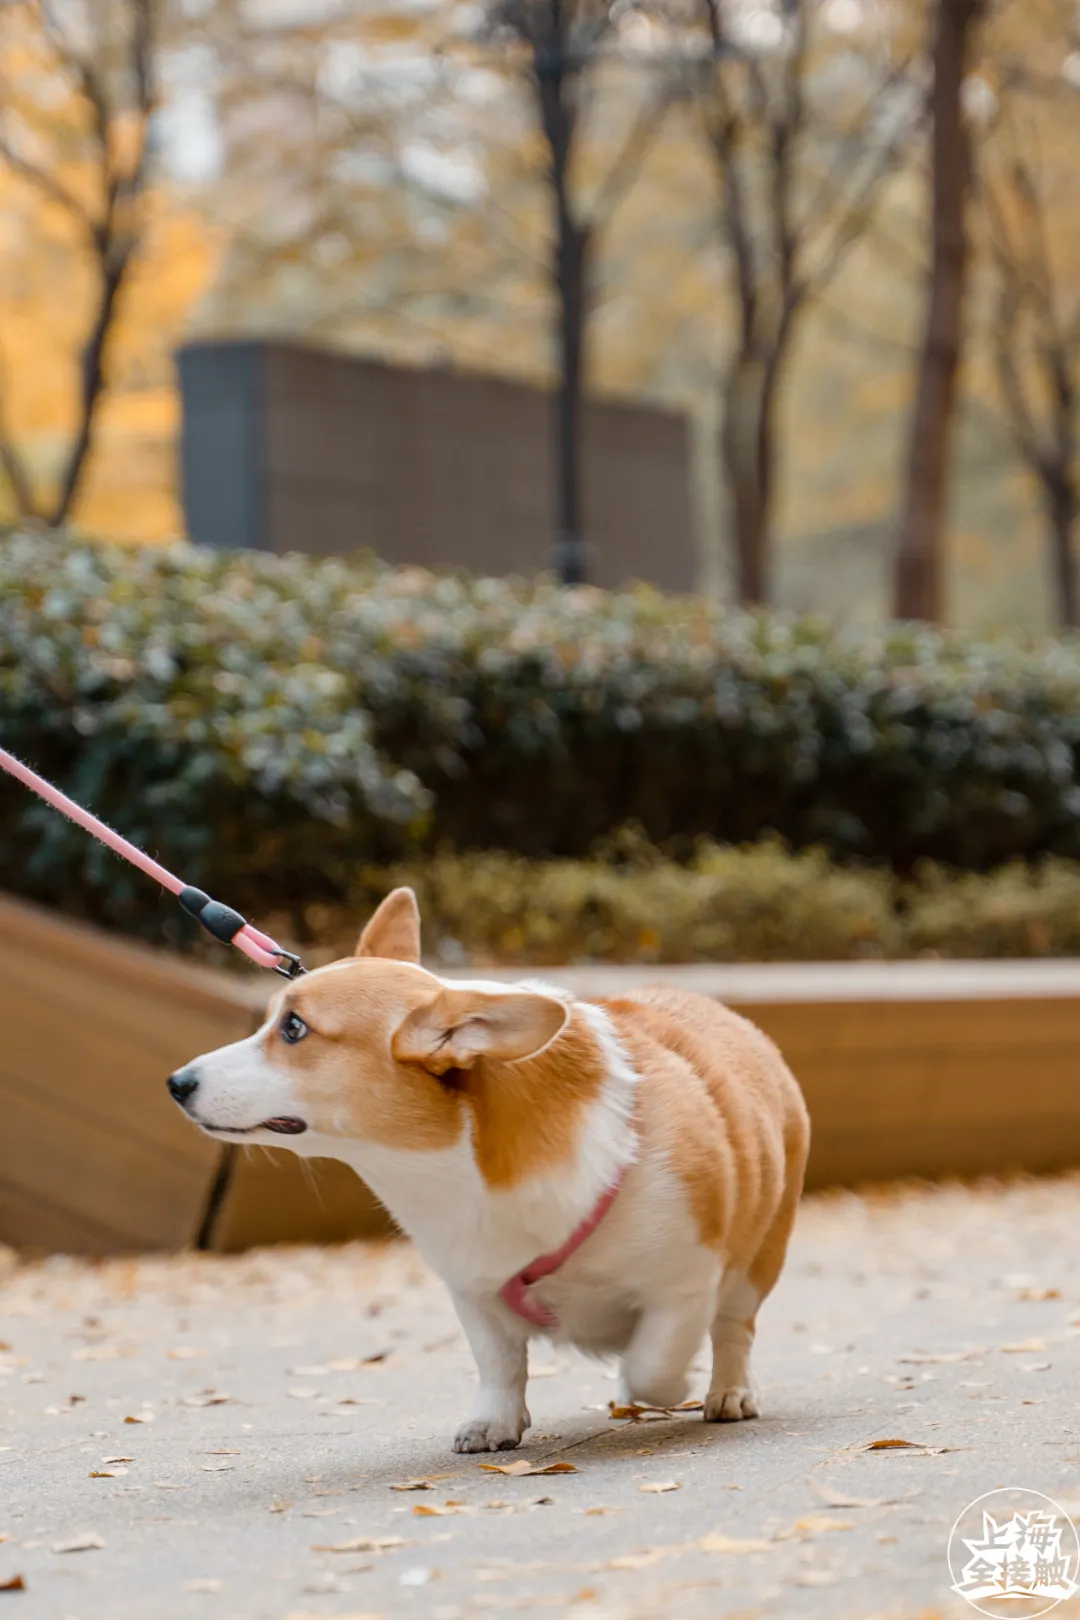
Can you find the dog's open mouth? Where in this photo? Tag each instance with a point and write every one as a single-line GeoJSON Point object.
{"type": "Point", "coordinates": [283, 1124]}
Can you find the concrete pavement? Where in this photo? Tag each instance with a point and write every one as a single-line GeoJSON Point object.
{"type": "Point", "coordinates": [209, 1438]}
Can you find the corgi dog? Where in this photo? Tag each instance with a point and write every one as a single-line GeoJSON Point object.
{"type": "Point", "coordinates": [621, 1175]}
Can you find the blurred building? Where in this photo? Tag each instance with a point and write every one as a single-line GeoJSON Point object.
{"type": "Point", "coordinates": [291, 448]}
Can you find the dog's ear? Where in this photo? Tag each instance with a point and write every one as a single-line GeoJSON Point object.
{"type": "Point", "coordinates": [394, 930]}
{"type": "Point", "coordinates": [456, 1027]}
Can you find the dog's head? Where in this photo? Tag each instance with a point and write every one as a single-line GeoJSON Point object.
{"type": "Point", "coordinates": [373, 1048]}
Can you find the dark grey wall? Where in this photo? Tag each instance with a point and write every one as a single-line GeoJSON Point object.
{"type": "Point", "coordinates": [289, 448]}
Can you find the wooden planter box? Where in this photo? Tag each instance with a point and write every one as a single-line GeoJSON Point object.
{"type": "Point", "coordinates": [909, 1069]}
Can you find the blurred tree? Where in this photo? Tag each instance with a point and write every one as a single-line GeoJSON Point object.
{"type": "Point", "coordinates": [77, 93]}
{"type": "Point", "coordinates": [1029, 191]}
{"type": "Point", "coordinates": [919, 555]}
{"type": "Point", "coordinates": [798, 185]}
{"type": "Point", "coordinates": [563, 43]}
{"type": "Point", "coordinates": [1036, 335]}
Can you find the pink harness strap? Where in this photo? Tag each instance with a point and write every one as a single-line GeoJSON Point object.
{"type": "Point", "coordinates": [515, 1292]}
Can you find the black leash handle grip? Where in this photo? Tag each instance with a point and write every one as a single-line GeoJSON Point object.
{"type": "Point", "coordinates": [221, 921]}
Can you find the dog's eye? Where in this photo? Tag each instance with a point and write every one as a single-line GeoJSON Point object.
{"type": "Point", "coordinates": [293, 1028]}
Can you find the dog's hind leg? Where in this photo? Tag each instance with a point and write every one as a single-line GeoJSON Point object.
{"type": "Point", "coordinates": [732, 1392]}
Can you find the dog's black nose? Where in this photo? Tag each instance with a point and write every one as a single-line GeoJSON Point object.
{"type": "Point", "coordinates": [182, 1085]}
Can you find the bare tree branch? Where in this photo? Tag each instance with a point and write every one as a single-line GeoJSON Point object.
{"type": "Point", "coordinates": [787, 128]}
{"type": "Point", "coordinates": [855, 218]}
{"type": "Point", "coordinates": [627, 163]}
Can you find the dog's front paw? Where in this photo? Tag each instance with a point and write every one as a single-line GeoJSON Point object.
{"type": "Point", "coordinates": [491, 1434]}
{"type": "Point", "coordinates": [731, 1405]}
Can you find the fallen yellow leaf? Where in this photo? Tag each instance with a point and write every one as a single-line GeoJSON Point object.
{"type": "Point", "coordinates": [635, 1413]}
{"type": "Point", "coordinates": [353, 1614]}
{"type": "Point", "coordinates": [728, 1544]}
{"type": "Point", "coordinates": [363, 1544]}
{"type": "Point", "coordinates": [639, 1560]}
{"type": "Point", "coordinates": [921, 1358]}
{"type": "Point", "coordinates": [814, 1524]}
{"type": "Point", "coordinates": [87, 1542]}
{"type": "Point", "coordinates": [837, 1498]}
{"type": "Point", "coordinates": [523, 1468]}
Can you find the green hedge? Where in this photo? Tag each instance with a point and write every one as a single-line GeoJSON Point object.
{"type": "Point", "coordinates": [757, 904]}
{"type": "Point", "coordinates": [269, 724]}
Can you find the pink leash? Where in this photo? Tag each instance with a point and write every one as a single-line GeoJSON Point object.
{"type": "Point", "coordinates": [221, 921]}
{"type": "Point", "coordinates": [514, 1293]}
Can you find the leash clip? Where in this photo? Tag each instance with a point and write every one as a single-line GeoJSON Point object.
{"type": "Point", "coordinates": [289, 966]}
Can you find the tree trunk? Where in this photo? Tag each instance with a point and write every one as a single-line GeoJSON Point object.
{"type": "Point", "coordinates": [748, 496]}
{"type": "Point", "coordinates": [556, 79]}
{"type": "Point", "coordinates": [93, 382]}
{"type": "Point", "coordinates": [748, 447]}
{"type": "Point", "coordinates": [571, 554]}
{"type": "Point", "coordinates": [1060, 500]}
{"type": "Point", "coordinates": [919, 559]}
